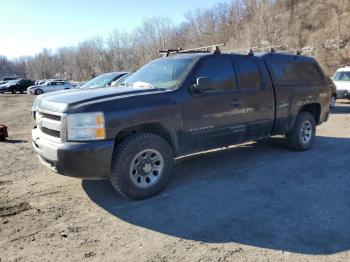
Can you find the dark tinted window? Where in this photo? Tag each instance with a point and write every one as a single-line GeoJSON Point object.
{"type": "Point", "coordinates": [248, 74]}
{"type": "Point", "coordinates": [220, 71]}
{"type": "Point", "coordinates": [285, 71]}
{"type": "Point", "coordinates": [309, 72]}
{"type": "Point", "coordinates": [302, 73]}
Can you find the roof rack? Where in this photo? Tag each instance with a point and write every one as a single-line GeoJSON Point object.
{"type": "Point", "coordinates": [272, 49]}
{"type": "Point", "coordinates": [252, 49]}
{"type": "Point", "coordinates": [299, 51]}
{"type": "Point", "coordinates": [210, 48]}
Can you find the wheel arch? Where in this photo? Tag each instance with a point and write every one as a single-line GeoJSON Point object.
{"type": "Point", "coordinates": [154, 128]}
{"type": "Point", "coordinates": [314, 109]}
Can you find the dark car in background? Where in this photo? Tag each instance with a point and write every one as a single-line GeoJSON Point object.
{"type": "Point", "coordinates": [16, 85]}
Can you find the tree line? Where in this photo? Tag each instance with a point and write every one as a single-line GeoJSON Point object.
{"type": "Point", "coordinates": [291, 24]}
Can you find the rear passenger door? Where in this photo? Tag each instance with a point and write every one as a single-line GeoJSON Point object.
{"type": "Point", "coordinates": [257, 94]}
{"type": "Point", "coordinates": [214, 117]}
{"type": "Point", "coordinates": [60, 85]}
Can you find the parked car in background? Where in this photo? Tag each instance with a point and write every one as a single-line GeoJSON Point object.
{"type": "Point", "coordinates": [14, 86]}
{"type": "Point", "coordinates": [341, 80]}
{"type": "Point", "coordinates": [121, 81]}
{"type": "Point", "coordinates": [9, 78]}
{"type": "Point", "coordinates": [49, 86]}
{"type": "Point", "coordinates": [104, 80]}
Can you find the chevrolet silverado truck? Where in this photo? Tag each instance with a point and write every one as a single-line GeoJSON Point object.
{"type": "Point", "coordinates": [183, 103]}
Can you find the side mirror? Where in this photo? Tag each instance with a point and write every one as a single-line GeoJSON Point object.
{"type": "Point", "coordinates": [202, 85]}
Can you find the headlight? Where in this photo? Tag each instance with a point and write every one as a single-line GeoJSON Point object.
{"type": "Point", "coordinates": [86, 126]}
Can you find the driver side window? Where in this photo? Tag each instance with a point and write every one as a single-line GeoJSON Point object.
{"type": "Point", "coordinates": [220, 72]}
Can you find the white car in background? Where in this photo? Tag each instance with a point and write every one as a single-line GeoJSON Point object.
{"type": "Point", "coordinates": [341, 80]}
{"type": "Point", "coordinates": [49, 86]}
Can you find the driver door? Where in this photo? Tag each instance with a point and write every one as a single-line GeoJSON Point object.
{"type": "Point", "coordinates": [215, 116]}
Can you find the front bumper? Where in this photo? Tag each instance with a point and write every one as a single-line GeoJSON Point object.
{"type": "Point", "coordinates": [88, 160]}
{"type": "Point", "coordinates": [343, 94]}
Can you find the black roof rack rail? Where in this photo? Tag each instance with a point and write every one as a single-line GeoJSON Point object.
{"type": "Point", "coordinates": [271, 49]}
{"type": "Point", "coordinates": [299, 51]}
{"type": "Point", "coordinates": [210, 48]}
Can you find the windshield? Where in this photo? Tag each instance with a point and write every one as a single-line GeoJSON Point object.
{"type": "Point", "coordinates": [120, 81]}
{"type": "Point", "coordinates": [12, 82]}
{"type": "Point", "coordinates": [164, 73]}
{"type": "Point", "coordinates": [342, 76]}
{"type": "Point", "coordinates": [100, 81]}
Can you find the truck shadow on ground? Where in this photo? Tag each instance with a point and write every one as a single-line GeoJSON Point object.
{"type": "Point", "coordinates": [258, 194]}
{"type": "Point", "coordinates": [13, 141]}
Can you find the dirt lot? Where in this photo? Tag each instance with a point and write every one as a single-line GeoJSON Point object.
{"type": "Point", "coordinates": [254, 202]}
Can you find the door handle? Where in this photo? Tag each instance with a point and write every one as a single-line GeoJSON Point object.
{"type": "Point", "coordinates": [235, 102]}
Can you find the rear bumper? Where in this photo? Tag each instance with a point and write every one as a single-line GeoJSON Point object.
{"type": "Point", "coordinates": [88, 160]}
{"type": "Point", "coordinates": [343, 94]}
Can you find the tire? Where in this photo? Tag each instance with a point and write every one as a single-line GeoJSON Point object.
{"type": "Point", "coordinates": [2, 137]}
{"type": "Point", "coordinates": [302, 136]}
{"type": "Point", "coordinates": [38, 92]}
{"type": "Point", "coordinates": [137, 176]}
{"type": "Point", "coordinates": [332, 102]}
{"type": "Point", "coordinates": [13, 90]}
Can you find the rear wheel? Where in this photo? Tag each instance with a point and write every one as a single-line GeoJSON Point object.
{"type": "Point", "coordinates": [302, 136]}
{"type": "Point", "coordinates": [38, 92]}
{"type": "Point", "coordinates": [142, 165]}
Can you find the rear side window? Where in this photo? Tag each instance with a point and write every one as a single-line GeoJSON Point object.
{"type": "Point", "coordinates": [285, 71]}
{"type": "Point", "coordinates": [296, 72]}
{"type": "Point", "coordinates": [309, 72]}
{"type": "Point", "coordinates": [220, 71]}
{"type": "Point", "coordinates": [248, 74]}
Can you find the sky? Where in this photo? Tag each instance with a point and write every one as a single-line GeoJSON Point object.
{"type": "Point", "coordinates": [28, 26]}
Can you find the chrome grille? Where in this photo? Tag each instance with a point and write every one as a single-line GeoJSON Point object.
{"type": "Point", "coordinates": [49, 124]}
{"type": "Point", "coordinates": [50, 132]}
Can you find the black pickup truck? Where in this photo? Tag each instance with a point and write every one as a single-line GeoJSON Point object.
{"type": "Point", "coordinates": [177, 105]}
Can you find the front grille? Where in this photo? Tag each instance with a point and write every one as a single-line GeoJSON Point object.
{"type": "Point", "coordinates": [50, 132]}
{"type": "Point", "coordinates": [52, 117]}
{"type": "Point", "coordinates": [49, 124]}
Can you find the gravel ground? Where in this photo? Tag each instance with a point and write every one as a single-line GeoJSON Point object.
{"type": "Point", "coordinates": [254, 202]}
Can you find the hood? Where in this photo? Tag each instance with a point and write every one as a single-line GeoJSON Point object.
{"type": "Point", "coordinates": [59, 101]}
{"type": "Point", "coordinates": [34, 86]}
{"type": "Point", "coordinates": [342, 85]}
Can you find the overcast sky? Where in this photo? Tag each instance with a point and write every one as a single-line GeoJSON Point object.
{"type": "Point", "coordinates": [27, 26]}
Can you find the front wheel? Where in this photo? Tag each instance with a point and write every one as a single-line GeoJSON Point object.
{"type": "Point", "coordinates": [302, 136]}
{"type": "Point", "coordinates": [38, 92]}
{"type": "Point", "coordinates": [142, 165]}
